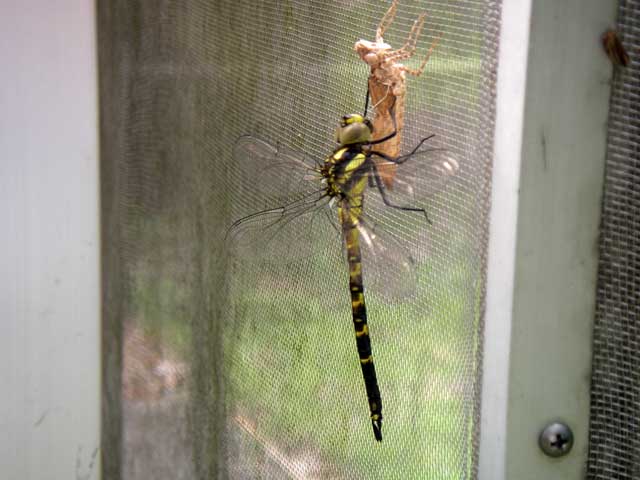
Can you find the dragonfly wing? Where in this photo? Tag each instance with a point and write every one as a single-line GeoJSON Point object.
{"type": "Point", "coordinates": [395, 240]}
{"type": "Point", "coordinates": [281, 231]}
{"type": "Point", "coordinates": [277, 200]}
{"type": "Point", "coordinates": [419, 177]}
{"type": "Point", "coordinates": [264, 176]}
{"type": "Point", "coordinates": [389, 268]}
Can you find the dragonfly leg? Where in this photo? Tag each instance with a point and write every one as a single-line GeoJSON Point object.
{"type": "Point", "coordinates": [418, 71]}
{"type": "Point", "coordinates": [409, 47]}
{"type": "Point", "coordinates": [386, 20]}
{"type": "Point", "coordinates": [404, 158]}
{"type": "Point", "coordinates": [366, 101]}
{"type": "Point", "coordinates": [392, 111]}
{"type": "Point", "coordinates": [387, 202]}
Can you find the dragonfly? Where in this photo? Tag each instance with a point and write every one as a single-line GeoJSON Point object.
{"type": "Point", "coordinates": [304, 190]}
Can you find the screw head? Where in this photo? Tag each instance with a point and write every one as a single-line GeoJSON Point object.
{"type": "Point", "coordinates": [556, 439]}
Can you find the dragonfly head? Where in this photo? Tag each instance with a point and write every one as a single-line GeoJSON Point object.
{"type": "Point", "coordinates": [354, 128]}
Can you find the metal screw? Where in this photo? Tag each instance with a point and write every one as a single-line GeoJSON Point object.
{"type": "Point", "coordinates": [556, 439]}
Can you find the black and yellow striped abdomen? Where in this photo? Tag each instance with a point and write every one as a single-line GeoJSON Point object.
{"type": "Point", "coordinates": [347, 181]}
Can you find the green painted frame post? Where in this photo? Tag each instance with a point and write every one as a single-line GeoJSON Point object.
{"type": "Point", "coordinates": [552, 107]}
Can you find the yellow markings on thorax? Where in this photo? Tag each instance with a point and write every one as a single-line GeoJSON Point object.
{"type": "Point", "coordinates": [364, 361]}
{"type": "Point", "coordinates": [356, 194]}
{"type": "Point", "coordinates": [355, 163]}
{"type": "Point", "coordinates": [338, 155]}
{"type": "Point", "coordinates": [351, 165]}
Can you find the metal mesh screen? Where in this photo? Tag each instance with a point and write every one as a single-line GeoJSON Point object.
{"type": "Point", "coordinates": [219, 366]}
{"type": "Point", "coordinates": [615, 395]}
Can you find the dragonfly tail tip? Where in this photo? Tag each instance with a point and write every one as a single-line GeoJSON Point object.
{"type": "Point", "coordinates": [377, 429]}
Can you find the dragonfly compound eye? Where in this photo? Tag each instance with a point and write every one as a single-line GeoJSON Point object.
{"type": "Point", "coordinates": [354, 133]}
{"type": "Point", "coordinates": [368, 123]}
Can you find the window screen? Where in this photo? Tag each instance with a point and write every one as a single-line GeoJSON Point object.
{"type": "Point", "coordinates": [220, 365]}
{"type": "Point", "coordinates": [615, 390]}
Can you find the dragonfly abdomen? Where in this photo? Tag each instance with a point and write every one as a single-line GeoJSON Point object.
{"type": "Point", "coordinates": [359, 312]}
{"type": "Point", "coordinates": [346, 180]}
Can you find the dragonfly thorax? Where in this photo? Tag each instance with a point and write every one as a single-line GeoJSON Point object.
{"type": "Point", "coordinates": [343, 169]}
{"type": "Point", "coordinates": [328, 172]}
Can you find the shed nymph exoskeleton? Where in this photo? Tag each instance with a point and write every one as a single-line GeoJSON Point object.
{"type": "Point", "coordinates": [387, 84]}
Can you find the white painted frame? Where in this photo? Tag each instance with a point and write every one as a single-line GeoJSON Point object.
{"type": "Point", "coordinates": [49, 239]}
{"type": "Point", "coordinates": [552, 107]}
